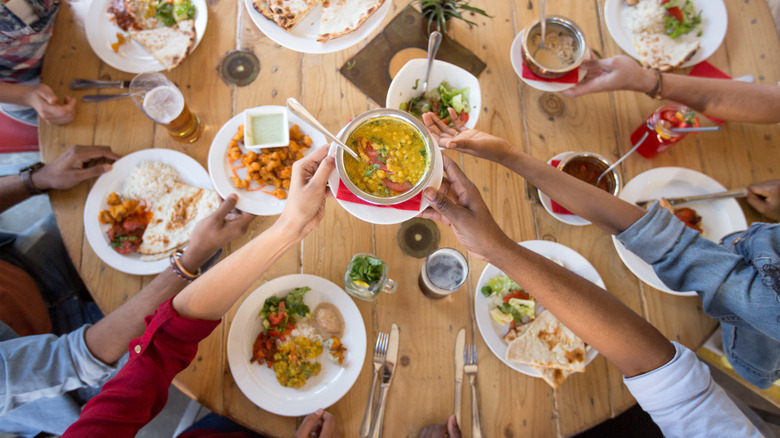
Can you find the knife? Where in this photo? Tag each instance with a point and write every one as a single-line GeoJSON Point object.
{"type": "Point", "coordinates": [460, 345]}
{"type": "Point", "coordinates": [387, 378]}
{"type": "Point", "coordinates": [83, 84]}
{"type": "Point", "coordinates": [103, 97]}
{"type": "Point", "coordinates": [736, 193]}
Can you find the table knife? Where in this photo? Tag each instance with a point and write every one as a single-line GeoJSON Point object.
{"type": "Point", "coordinates": [736, 193]}
{"type": "Point", "coordinates": [388, 370]}
{"type": "Point", "coordinates": [460, 345]}
{"type": "Point", "coordinates": [83, 84]}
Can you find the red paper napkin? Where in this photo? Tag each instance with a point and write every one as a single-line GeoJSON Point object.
{"type": "Point", "coordinates": [571, 77]}
{"type": "Point", "coordinates": [344, 194]}
{"type": "Point", "coordinates": [706, 70]}
{"type": "Point", "coordinates": [557, 209]}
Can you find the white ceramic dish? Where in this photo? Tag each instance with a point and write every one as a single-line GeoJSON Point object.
{"type": "Point", "coordinates": [403, 88]}
{"type": "Point", "coordinates": [493, 334]}
{"type": "Point", "coordinates": [719, 217]}
{"type": "Point", "coordinates": [251, 114]}
{"type": "Point", "coordinates": [131, 57]}
{"type": "Point", "coordinates": [258, 382]}
{"type": "Point", "coordinates": [571, 219]}
{"type": "Point", "coordinates": [714, 23]}
{"type": "Point", "coordinates": [516, 57]}
{"type": "Point", "coordinates": [256, 202]}
{"type": "Point", "coordinates": [190, 172]}
{"type": "Point", "coordinates": [384, 215]}
{"type": "Point", "coordinates": [303, 37]}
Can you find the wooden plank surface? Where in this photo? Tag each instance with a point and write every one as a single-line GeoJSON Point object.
{"type": "Point", "coordinates": [512, 404]}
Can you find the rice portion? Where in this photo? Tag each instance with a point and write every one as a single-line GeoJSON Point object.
{"type": "Point", "coordinates": [304, 328]}
{"type": "Point", "coordinates": [647, 16]}
{"type": "Point", "coordinates": [150, 180]}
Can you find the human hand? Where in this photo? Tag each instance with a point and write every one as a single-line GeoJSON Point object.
{"type": "Point", "coordinates": [470, 141]}
{"type": "Point", "coordinates": [305, 206]}
{"type": "Point", "coordinates": [447, 429]}
{"type": "Point", "coordinates": [318, 424]}
{"type": "Point", "coordinates": [461, 207]}
{"type": "Point", "coordinates": [765, 198]}
{"type": "Point", "coordinates": [77, 164]}
{"type": "Point", "coordinates": [215, 231]}
{"type": "Point", "coordinates": [616, 73]}
{"type": "Point", "coordinates": [43, 99]}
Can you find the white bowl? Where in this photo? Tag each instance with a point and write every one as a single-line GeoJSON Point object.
{"type": "Point", "coordinates": [401, 88]}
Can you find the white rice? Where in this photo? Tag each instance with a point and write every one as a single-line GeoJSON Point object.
{"type": "Point", "coordinates": [647, 16]}
{"type": "Point", "coordinates": [150, 180]}
{"type": "Point", "coordinates": [304, 328]}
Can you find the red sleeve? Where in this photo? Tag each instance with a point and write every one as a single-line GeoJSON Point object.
{"type": "Point", "coordinates": [140, 390]}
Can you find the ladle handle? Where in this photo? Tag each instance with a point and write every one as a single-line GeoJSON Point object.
{"type": "Point", "coordinates": [636, 146]}
{"type": "Point", "coordinates": [434, 41]}
{"type": "Point", "coordinates": [296, 108]}
{"type": "Point", "coordinates": [543, 19]}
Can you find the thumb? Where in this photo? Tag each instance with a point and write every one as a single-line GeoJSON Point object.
{"type": "Point", "coordinates": [227, 205]}
{"type": "Point", "coordinates": [756, 202]}
{"type": "Point", "coordinates": [47, 94]}
{"type": "Point", "coordinates": [453, 430]}
{"type": "Point", "coordinates": [439, 202]}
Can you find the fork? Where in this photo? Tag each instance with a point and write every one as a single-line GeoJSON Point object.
{"type": "Point", "coordinates": [470, 369]}
{"type": "Point", "coordinates": [380, 351]}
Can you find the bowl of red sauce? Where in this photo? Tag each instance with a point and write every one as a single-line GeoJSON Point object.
{"type": "Point", "coordinates": [588, 166]}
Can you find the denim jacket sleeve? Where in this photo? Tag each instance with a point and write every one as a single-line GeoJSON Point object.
{"type": "Point", "coordinates": [44, 366]}
{"type": "Point", "coordinates": [731, 287]}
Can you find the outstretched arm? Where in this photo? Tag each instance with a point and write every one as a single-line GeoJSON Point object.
{"type": "Point", "coordinates": [724, 99]}
{"type": "Point", "coordinates": [608, 212]}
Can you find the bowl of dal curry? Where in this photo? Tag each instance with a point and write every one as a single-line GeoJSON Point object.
{"type": "Point", "coordinates": [396, 156]}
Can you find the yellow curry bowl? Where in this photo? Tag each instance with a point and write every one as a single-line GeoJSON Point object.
{"type": "Point", "coordinates": [397, 156]}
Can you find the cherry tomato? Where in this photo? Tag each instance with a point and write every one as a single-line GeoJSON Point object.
{"type": "Point", "coordinates": [675, 11]}
{"type": "Point", "coordinates": [520, 295]}
{"type": "Point", "coordinates": [464, 117]}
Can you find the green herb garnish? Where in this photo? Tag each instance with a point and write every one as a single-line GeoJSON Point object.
{"type": "Point", "coordinates": [366, 269]}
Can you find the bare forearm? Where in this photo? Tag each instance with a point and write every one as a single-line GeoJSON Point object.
{"type": "Point", "coordinates": [12, 191]}
{"type": "Point", "coordinates": [728, 100]}
{"type": "Point", "coordinates": [14, 93]}
{"type": "Point", "coordinates": [108, 338]}
{"type": "Point", "coordinates": [212, 295]}
{"type": "Point", "coordinates": [598, 318]}
{"type": "Point", "coordinates": [606, 211]}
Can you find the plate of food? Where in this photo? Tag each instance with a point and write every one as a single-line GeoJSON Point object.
{"type": "Point", "coordinates": [667, 34]}
{"type": "Point", "coordinates": [137, 36]}
{"type": "Point", "coordinates": [449, 87]}
{"type": "Point", "coordinates": [510, 320]}
{"type": "Point", "coordinates": [296, 344]}
{"type": "Point", "coordinates": [714, 218]}
{"type": "Point", "coordinates": [309, 26]}
{"type": "Point", "coordinates": [571, 219]}
{"type": "Point", "coordinates": [145, 208]}
{"type": "Point", "coordinates": [260, 178]}
{"type": "Point", "coordinates": [398, 159]}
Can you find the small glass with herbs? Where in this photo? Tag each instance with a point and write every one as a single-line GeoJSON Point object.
{"type": "Point", "coordinates": [366, 277]}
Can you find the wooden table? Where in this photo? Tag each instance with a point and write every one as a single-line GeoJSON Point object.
{"type": "Point", "coordinates": [512, 404]}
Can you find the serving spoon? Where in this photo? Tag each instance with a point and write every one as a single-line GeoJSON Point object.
{"type": "Point", "coordinates": [543, 23]}
{"type": "Point", "coordinates": [296, 108]}
{"type": "Point", "coordinates": [636, 146]}
{"type": "Point", "coordinates": [424, 104]}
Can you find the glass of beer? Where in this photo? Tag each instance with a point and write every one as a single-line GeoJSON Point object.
{"type": "Point", "coordinates": [443, 272]}
{"type": "Point", "coordinates": [162, 102]}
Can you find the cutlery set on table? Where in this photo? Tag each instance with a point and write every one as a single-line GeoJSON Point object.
{"type": "Point", "coordinates": [385, 359]}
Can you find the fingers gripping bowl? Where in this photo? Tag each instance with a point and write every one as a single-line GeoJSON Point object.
{"type": "Point", "coordinates": [397, 156]}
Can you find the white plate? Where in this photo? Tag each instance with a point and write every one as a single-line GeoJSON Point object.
{"type": "Point", "coordinates": [414, 72]}
{"type": "Point", "coordinates": [190, 172]}
{"type": "Point", "coordinates": [303, 37]}
{"type": "Point", "coordinates": [385, 215]}
{"type": "Point", "coordinates": [719, 217]}
{"type": "Point", "coordinates": [131, 57]}
{"type": "Point", "coordinates": [256, 202]}
{"type": "Point", "coordinates": [516, 58]}
{"type": "Point", "coordinates": [571, 219]}
{"type": "Point", "coordinates": [493, 333]}
{"type": "Point", "coordinates": [258, 382]}
{"type": "Point", "coordinates": [714, 21]}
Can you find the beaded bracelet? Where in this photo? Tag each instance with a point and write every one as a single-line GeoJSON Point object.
{"type": "Point", "coordinates": [179, 270]}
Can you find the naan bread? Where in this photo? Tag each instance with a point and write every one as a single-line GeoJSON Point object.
{"type": "Point", "coordinates": [288, 13]}
{"type": "Point", "coordinates": [661, 52]}
{"type": "Point", "coordinates": [264, 8]}
{"type": "Point", "coordinates": [174, 216]}
{"type": "Point", "coordinates": [168, 45]}
{"type": "Point", "coordinates": [340, 17]}
{"type": "Point", "coordinates": [548, 343]}
{"type": "Point", "coordinates": [553, 376]}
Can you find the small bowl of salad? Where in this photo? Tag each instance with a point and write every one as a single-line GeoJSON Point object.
{"type": "Point", "coordinates": [448, 87]}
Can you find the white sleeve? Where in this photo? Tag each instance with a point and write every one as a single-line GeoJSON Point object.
{"type": "Point", "coordinates": [684, 401]}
